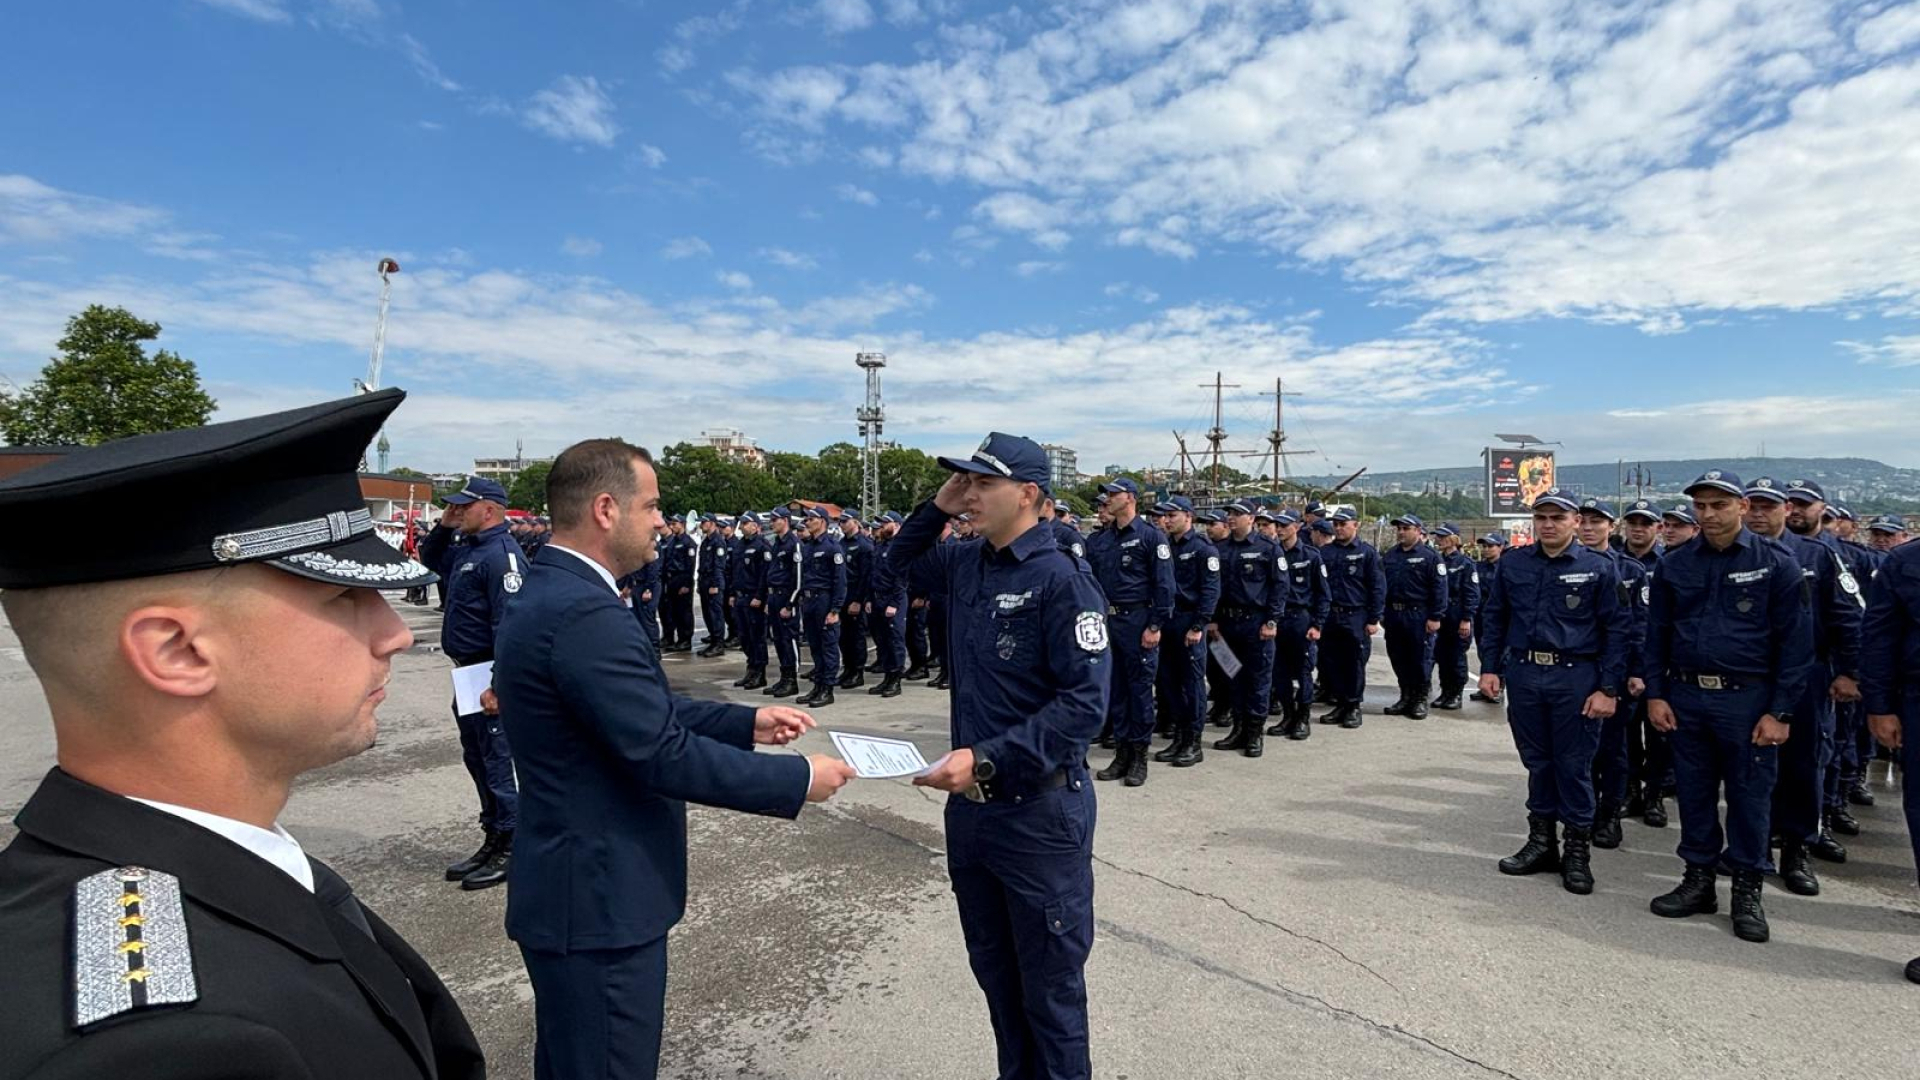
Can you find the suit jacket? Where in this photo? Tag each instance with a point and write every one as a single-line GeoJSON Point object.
{"type": "Point", "coordinates": [282, 985]}
{"type": "Point", "coordinates": [607, 759]}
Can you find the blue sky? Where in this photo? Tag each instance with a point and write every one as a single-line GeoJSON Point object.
{"type": "Point", "coordinates": [1642, 229]}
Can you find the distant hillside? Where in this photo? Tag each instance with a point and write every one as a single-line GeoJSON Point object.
{"type": "Point", "coordinates": [1861, 480]}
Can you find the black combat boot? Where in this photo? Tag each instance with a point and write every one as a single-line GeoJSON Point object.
{"type": "Point", "coordinates": [1841, 820]}
{"type": "Point", "coordinates": [1350, 716]}
{"type": "Point", "coordinates": [1606, 825]}
{"type": "Point", "coordinates": [1694, 895]}
{"type": "Point", "coordinates": [1137, 766]}
{"type": "Point", "coordinates": [852, 680]}
{"type": "Point", "coordinates": [1322, 696]}
{"type": "Point", "coordinates": [1256, 742]}
{"type": "Point", "coordinates": [878, 667]}
{"type": "Point", "coordinates": [1449, 699]}
{"type": "Point", "coordinates": [1576, 862]}
{"type": "Point", "coordinates": [786, 687]}
{"type": "Point", "coordinates": [940, 681]}
{"type": "Point", "coordinates": [1300, 725]}
{"type": "Point", "coordinates": [1400, 705]}
{"type": "Point", "coordinates": [1636, 801]}
{"type": "Point", "coordinates": [715, 649]}
{"type": "Point", "coordinates": [1218, 714]}
{"type": "Point", "coordinates": [745, 678]}
{"type": "Point", "coordinates": [474, 861]}
{"type": "Point", "coordinates": [1117, 768]}
{"type": "Point", "coordinates": [756, 679]}
{"type": "Point", "coordinates": [915, 673]}
{"type": "Point", "coordinates": [1174, 750]}
{"type": "Point", "coordinates": [1191, 754]}
{"type": "Point", "coordinates": [1274, 707]}
{"type": "Point", "coordinates": [1243, 732]}
{"type": "Point", "coordinates": [1749, 918]}
{"type": "Point", "coordinates": [1795, 873]}
{"type": "Point", "coordinates": [1656, 814]}
{"type": "Point", "coordinates": [1417, 703]}
{"type": "Point", "coordinates": [889, 686]}
{"type": "Point", "coordinates": [494, 870]}
{"type": "Point", "coordinates": [1825, 847]}
{"type": "Point", "coordinates": [1540, 853]}
{"type": "Point", "coordinates": [1858, 793]}
{"type": "Point", "coordinates": [1280, 726]}
{"type": "Point", "coordinates": [821, 694]}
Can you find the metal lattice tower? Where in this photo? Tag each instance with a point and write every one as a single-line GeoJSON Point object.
{"type": "Point", "coordinates": [872, 417]}
{"type": "Point", "coordinates": [371, 383]}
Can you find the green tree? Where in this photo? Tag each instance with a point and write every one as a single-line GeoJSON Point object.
{"type": "Point", "coordinates": [698, 478]}
{"type": "Point", "coordinates": [104, 386]}
{"type": "Point", "coordinates": [907, 477]}
{"type": "Point", "coordinates": [529, 490]}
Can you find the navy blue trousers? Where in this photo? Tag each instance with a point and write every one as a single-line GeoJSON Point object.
{"type": "Point", "coordinates": [752, 622]}
{"type": "Point", "coordinates": [676, 611]}
{"type": "Point", "coordinates": [1409, 649]}
{"type": "Point", "coordinates": [1023, 878]}
{"type": "Point", "coordinates": [1713, 750]}
{"type": "Point", "coordinates": [1182, 676]}
{"type": "Point", "coordinates": [1910, 767]}
{"type": "Point", "coordinates": [853, 641]}
{"type": "Point", "coordinates": [489, 761]}
{"type": "Point", "coordinates": [1293, 661]}
{"type": "Point", "coordinates": [1450, 657]}
{"type": "Point", "coordinates": [598, 1012]}
{"type": "Point", "coordinates": [786, 637]}
{"type": "Point", "coordinates": [648, 612]}
{"type": "Point", "coordinates": [1853, 748]}
{"type": "Point", "coordinates": [1556, 743]}
{"type": "Point", "coordinates": [889, 635]}
{"type": "Point", "coordinates": [713, 611]}
{"type": "Point", "coordinates": [1344, 648]}
{"type": "Point", "coordinates": [1130, 707]}
{"type": "Point", "coordinates": [1255, 681]}
{"type": "Point", "coordinates": [919, 650]}
{"type": "Point", "coordinates": [1799, 793]}
{"type": "Point", "coordinates": [823, 638]}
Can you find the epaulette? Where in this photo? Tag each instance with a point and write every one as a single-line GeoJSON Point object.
{"type": "Point", "coordinates": [130, 947]}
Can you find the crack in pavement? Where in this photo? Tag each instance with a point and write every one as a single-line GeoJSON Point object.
{"type": "Point", "coordinates": [845, 815]}
{"type": "Point", "coordinates": [1250, 916]}
{"type": "Point", "coordinates": [1297, 997]}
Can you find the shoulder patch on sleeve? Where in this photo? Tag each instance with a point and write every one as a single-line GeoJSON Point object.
{"type": "Point", "coordinates": [1213, 564]}
{"type": "Point", "coordinates": [1163, 551]}
{"type": "Point", "coordinates": [1079, 551]}
{"type": "Point", "coordinates": [510, 581]}
{"type": "Point", "coordinates": [1440, 569]}
{"type": "Point", "coordinates": [1090, 631]}
{"type": "Point", "coordinates": [838, 558]}
{"type": "Point", "coordinates": [130, 947]}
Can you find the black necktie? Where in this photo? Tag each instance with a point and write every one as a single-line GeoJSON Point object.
{"type": "Point", "coordinates": [332, 890]}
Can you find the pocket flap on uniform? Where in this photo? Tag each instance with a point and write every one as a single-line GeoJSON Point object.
{"type": "Point", "coordinates": [1062, 918]}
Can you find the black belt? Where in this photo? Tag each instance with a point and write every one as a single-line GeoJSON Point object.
{"type": "Point", "coordinates": [1347, 607]}
{"type": "Point", "coordinates": [1707, 680]}
{"type": "Point", "coordinates": [987, 791]}
{"type": "Point", "coordinates": [1408, 607]}
{"type": "Point", "coordinates": [1544, 658]}
{"type": "Point", "coordinates": [1232, 612]}
{"type": "Point", "coordinates": [1126, 609]}
{"type": "Point", "coordinates": [814, 592]}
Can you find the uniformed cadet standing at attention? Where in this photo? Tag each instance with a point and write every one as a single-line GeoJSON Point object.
{"type": "Point", "coordinates": [1219, 688]}
{"type": "Point", "coordinates": [1611, 774]}
{"type": "Point", "coordinates": [1729, 649]}
{"type": "Point", "coordinates": [487, 573]}
{"type": "Point", "coordinates": [1416, 606]}
{"type": "Point", "coordinates": [1030, 686]}
{"type": "Point", "coordinates": [1253, 601]}
{"type": "Point", "coordinates": [783, 603]}
{"type": "Point", "coordinates": [1357, 599]}
{"type": "Point", "coordinates": [853, 627]}
{"type": "Point", "coordinates": [887, 611]}
{"type": "Point", "coordinates": [676, 578]}
{"type": "Point", "coordinates": [158, 921]}
{"type": "Point", "coordinates": [1649, 761]}
{"type": "Point", "coordinates": [750, 597]}
{"type": "Point", "coordinates": [1134, 565]}
{"type": "Point", "coordinates": [823, 595]}
{"type": "Point", "coordinates": [1492, 547]}
{"type": "Point", "coordinates": [1890, 678]}
{"type": "Point", "coordinates": [714, 556]}
{"type": "Point", "coordinates": [1300, 629]}
{"type": "Point", "coordinates": [1455, 636]}
{"type": "Point", "coordinates": [1054, 513]}
{"type": "Point", "coordinates": [1555, 643]}
{"type": "Point", "coordinates": [1183, 659]}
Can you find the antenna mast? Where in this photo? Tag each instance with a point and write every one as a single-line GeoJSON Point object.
{"type": "Point", "coordinates": [872, 417]}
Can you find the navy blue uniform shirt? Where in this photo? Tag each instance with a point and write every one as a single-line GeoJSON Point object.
{"type": "Point", "coordinates": [1739, 611]}
{"type": "Point", "coordinates": [1306, 574]}
{"type": "Point", "coordinates": [1568, 604]}
{"type": "Point", "coordinates": [823, 569]}
{"type": "Point", "coordinates": [1134, 567]}
{"type": "Point", "coordinates": [1890, 632]}
{"type": "Point", "coordinates": [783, 572]}
{"type": "Point", "coordinates": [1196, 574]}
{"type": "Point", "coordinates": [1463, 590]}
{"type": "Point", "coordinates": [1250, 576]}
{"type": "Point", "coordinates": [1838, 601]}
{"type": "Point", "coordinates": [1416, 578]}
{"type": "Point", "coordinates": [676, 559]}
{"type": "Point", "coordinates": [756, 558]}
{"type": "Point", "coordinates": [859, 550]}
{"type": "Point", "coordinates": [713, 561]}
{"type": "Point", "coordinates": [1354, 577]}
{"type": "Point", "coordinates": [487, 569]}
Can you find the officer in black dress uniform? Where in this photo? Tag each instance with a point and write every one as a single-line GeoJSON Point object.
{"type": "Point", "coordinates": [155, 919]}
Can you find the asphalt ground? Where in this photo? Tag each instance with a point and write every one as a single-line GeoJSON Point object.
{"type": "Point", "coordinates": [1329, 910]}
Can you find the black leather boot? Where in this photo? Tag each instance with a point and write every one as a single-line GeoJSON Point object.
{"type": "Point", "coordinates": [1168, 753]}
{"type": "Point", "coordinates": [821, 694]}
{"type": "Point", "coordinates": [1576, 862]}
{"type": "Point", "coordinates": [786, 687]}
{"type": "Point", "coordinates": [878, 667]}
{"type": "Point", "coordinates": [1606, 825]}
{"type": "Point", "coordinates": [1417, 703]}
{"type": "Point", "coordinates": [1858, 793]}
{"type": "Point", "coordinates": [852, 679]}
{"type": "Point", "coordinates": [940, 681]}
{"type": "Point", "coordinates": [1191, 755]}
{"type": "Point", "coordinates": [494, 870]}
{"type": "Point", "coordinates": [1841, 820]}
{"type": "Point", "coordinates": [1300, 725]}
{"type": "Point", "coordinates": [1694, 895]}
{"type": "Point", "coordinates": [1256, 742]}
{"type": "Point", "coordinates": [1350, 716]}
{"type": "Point", "coordinates": [1218, 713]}
{"type": "Point", "coordinates": [745, 678]}
{"type": "Point", "coordinates": [915, 673]}
{"type": "Point", "coordinates": [1636, 802]}
{"type": "Point", "coordinates": [1399, 707]}
{"type": "Point", "coordinates": [1137, 766]}
{"type": "Point", "coordinates": [1449, 699]}
{"type": "Point", "coordinates": [1825, 847]}
{"type": "Point", "coordinates": [713, 650]}
{"type": "Point", "coordinates": [1795, 873]}
{"type": "Point", "coordinates": [1749, 918]}
{"type": "Point", "coordinates": [889, 686]}
{"type": "Point", "coordinates": [1237, 739]}
{"type": "Point", "coordinates": [473, 862]}
{"type": "Point", "coordinates": [756, 679]}
{"type": "Point", "coordinates": [1540, 853]}
{"type": "Point", "coordinates": [1117, 768]}
{"type": "Point", "coordinates": [807, 675]}
{"type": "Point", "coordinates": [1656, 813]}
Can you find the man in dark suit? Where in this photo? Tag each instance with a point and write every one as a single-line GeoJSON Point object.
{"type": "Point", "coordinates": [155, 919]}
{"type": "Point", "coordinates": [608, 758]}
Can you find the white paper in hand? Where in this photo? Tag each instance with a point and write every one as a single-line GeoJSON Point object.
{"type": "Point", "coordinates": [879, 759]}
{"type": "Point", "coordinates": [468, 683]}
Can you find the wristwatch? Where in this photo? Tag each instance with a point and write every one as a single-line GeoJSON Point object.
{"type": "Point", "coordinates": [1611, 691]}
{"type": "Point", "coordinates": [982, 770]}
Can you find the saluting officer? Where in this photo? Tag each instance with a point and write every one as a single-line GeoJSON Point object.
{"type": "Point", "coordinates": [887, 611]}
{"type": "Point", "coordinates": [853, 629]}
{"type": "Point", "coordinates": [715, 554]}
{"type": "Point", "coordinates": [1890, 678]}
{"type": "Point", "coordinates": [1729, 649]}
{"type": "Point", "coordinates": [1253, 600]}
{"type": "Point", "coordinates": [439, 548]}
{"type": "Point", "coordinates": [1555, 640]}
{"type": "Point", "coordinates": [823, 595]}
{"type": "Point", "coordinates": [1357, 599]}
{"type": "Point", "coordinates": [1300, 626]}
{"type": "Point", "coordinates": [1455, 635]}
{"type": "Point", "coordinates": [783, 603]}
{"type": "Point", "coordinates": [1133, 563]}
{"type": "Point", "coordinates": [158, 922]}
{"type": "Point", "coordinates": [750, 600]}
{"type": "Point", "coordinates": [1416, 605]}
{"type": "Point", "coordinates": [1183, 663]}
{"type": "Point", "coordinates": [1030, 687]}
{"type": "Point", "coordinates": [1611, 772]}
{"type": "Point", "coordinates": [487, 572]}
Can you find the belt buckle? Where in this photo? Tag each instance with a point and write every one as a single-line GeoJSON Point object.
{"type": "Point", "coordinates": [975, 793]}
{"type": "Point", "coordinates": [1710, 682]}
{"type": "Point", "coordinates": [1546, 659]}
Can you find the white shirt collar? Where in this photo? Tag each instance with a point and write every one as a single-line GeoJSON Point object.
{"type": "Point", "coordinates": [605, 574]}
{"type": "Point", "coordinates": [277, 847]}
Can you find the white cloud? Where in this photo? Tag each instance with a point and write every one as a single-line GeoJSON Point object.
{"type": "Point", "coordinates": [652, 156]}
{"type": "Point", "coordinates": [1036, 267]}
{"type": "Point", "coordinates": [1896, 28]}
{"type": "Point", "coordinates": [1894, 350]}
{"type": "Point", "coordinates": [262, 10]}
{"type": "Point", "coordinates": [582, 247]}
{"type": "Point", "coordinates": [734, 279]}
{"type": "Point", "coordinates": [1131, 291]}
{"type": "Point", "coordinates": [685, 247]}
{"type": "Point", "coordinates": [33, 212]}
{"type": "Point", "coordinates": [854, 194]}
{"type": "Point", "coordinates": [841, 16]}
{"type": "Point", "coordinates": [575, 108]}
{"type": "Point", "coordinates": [423, 64]}
{"type": "Point", "coordinates": [791, 260]}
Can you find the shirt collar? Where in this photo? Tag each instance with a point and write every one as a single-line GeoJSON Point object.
{"type": "Point", "coordinates": [605, 574]}
{"type": "Point", "coordinates": [1038, 538]}
{"type": "Point", "coordinates": [277, 847]}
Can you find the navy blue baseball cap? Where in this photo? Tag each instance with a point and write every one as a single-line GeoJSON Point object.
{"type": "Point", "coordinates": [1237, 508]}
{"type": "Point", "coordinates": [1806, 491]}
{"type": "Point", "coordinates": [1342, 513]}
{"type": "Point", "coordinates": [848, 515]}
{"type": "Point", "coordinates": [819, 512]}
{"type": "Point", "coordinates": [1841, 511]}
{"type": "Point", "coordinates": [1553, 496]}
{"type": "Point", "coordinates": [706, 517]}
{"type": "Point", "coordinates": [893, 516]}
{"type": "Point", "coordinates": [1409, 519]}
{"type": "Point", "coordinates": [1599, 506]}
{"type": "Point", "coordinates": [1210, 517]}
{"type": "Point", "coordinates": [1000, 454]}
{"type": "Point", "coordinates": [1122, 486]}
{"type": "Point", "coordinates": [1174, 504]}
{"type": "Point", "coordinates": [1681, 513]}
{"type": "Point", "coordinates": [1718, 480]}
{"type": "Point", "coordinates": [1494, 539]}
{"type": "Point", "coordinates": [1765, 488]}
{"type": "Point", "coordinates": [1060, 507]}
{"type": "Point", "coordinates": [1265, 514]}
{"type": "Point", "coordinates": [1446, 528]}
{"type": "Point", "coordinates": [1643, 508]}
{"type": "Point", "coordinates": [1888, 523]}
{"type": "Point", "coordinates": [1286, 517]}
{"type": "Point", "coordinates": [780, 512]}
{"type": "Point", "coordinates": [478, 489]}
{"type": "Point", "coordinates": [1322, 527]}
{"type": "Point", "coordinates": [1314, 507]}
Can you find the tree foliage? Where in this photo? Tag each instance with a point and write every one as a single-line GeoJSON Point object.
{"type": "Point", "coordinates": [529, 490]}
{"type": "Point", "coordinates": [104, 386]}
{"type": "Point", "coordinates": [699, 478]}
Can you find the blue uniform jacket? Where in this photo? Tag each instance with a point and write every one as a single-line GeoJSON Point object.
{"type": "Point", "coordinates": [1463, 591]}
{"type": "Point", "coordinates": [1741, 611]}
{"type": "Point", "coordinates": [437, 549]}
{"type": "Point", "coordinates": [607, 759]}
{"type": "Point", "coordinates": [1027, 647]}
{"type": "Point", "coordinates": [1634, 590]}
{"type": "Point", "coordinates": [1306, 582]}
{"type": "Point", "coordinates": [713, 562]}
{"type": "Point", "coordinates": [756, 559]}
{"type": "Point", "coordinates": [676, 559]}
{"type": "Point", "coordinates": [1837, 604]}
{"type": "Point", "coordinates": [1134, 567]}
{"type": "Point", "coordinates": [1070, 538]}
{"type": "Point", "coordinates": [1416, 578]}
{"type": "Point", "coordinates": [1251, 576]}
{"type": "Point", "coordinates": [823, 569]}
{"type": "Point", "coordinates": [859, 550]}
{"type": "Point", "coordinates": [1890, 632]}
{"type": "Point", "coordinates": [1354, 577]}
{"type": "Point", "coordinates": [889, 584]}
{"type": "Point", "coordinates": [1568, 603]}
{"type": "Point", "coordinates": [1196, 575]}
{"type": "Point", "coordinates": [487, 570]}
{"type": "Point", "coordinates": [783, 572]}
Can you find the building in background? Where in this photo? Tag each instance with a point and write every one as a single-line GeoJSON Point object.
{"type": "Point", "coordinates": [503, 470]}
{"type": "Point", "coordinates": [734, 445]}
{"type": "Point", "coordinates": [1063, 466]}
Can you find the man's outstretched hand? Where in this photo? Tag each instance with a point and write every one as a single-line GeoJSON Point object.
{"type": "Point", "coordinates": [778, 725]}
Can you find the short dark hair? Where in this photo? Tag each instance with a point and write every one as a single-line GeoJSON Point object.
{"type": "Point", "coordinates": [587, 470]}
